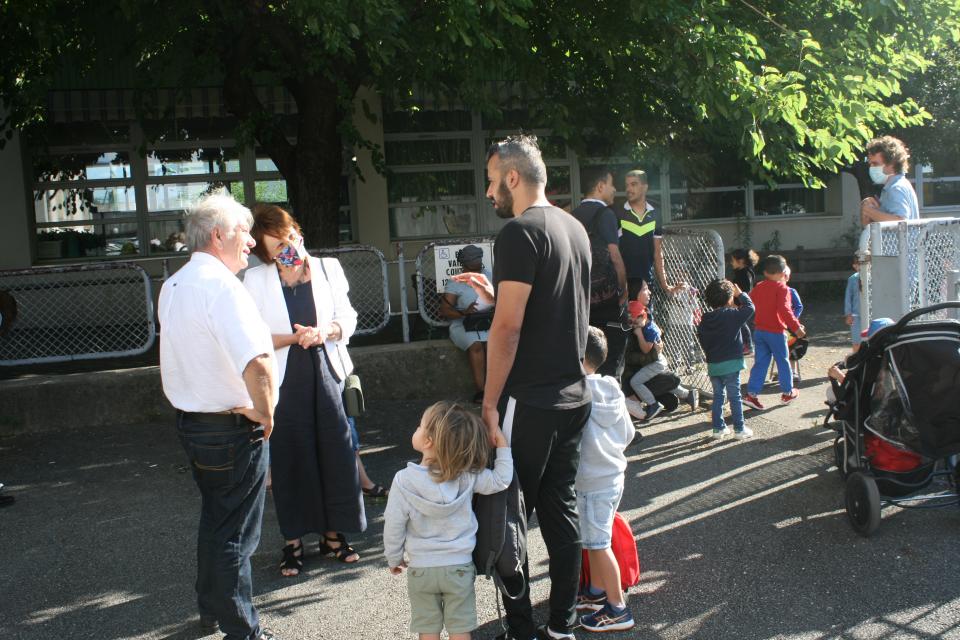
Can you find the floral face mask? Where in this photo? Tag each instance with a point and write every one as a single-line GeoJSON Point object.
{"type": "Point", "coordinates": [292, 254]}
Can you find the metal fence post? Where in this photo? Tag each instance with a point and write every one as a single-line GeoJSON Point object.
{"type": "Point", "coordinates": [865, 258]}
{"type": "Point", "coordinates": [904, 260]}
{"type": "Point", "coordinates": [953, 280]}
{"type": "Point", "coordinates": [404, 306]}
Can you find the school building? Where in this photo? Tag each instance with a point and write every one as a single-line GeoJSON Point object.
{"type": "Point", "coordinates": [107, 187]}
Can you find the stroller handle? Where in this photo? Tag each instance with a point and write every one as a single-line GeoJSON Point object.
{"type": "Point", "coordinates": [916, 313]}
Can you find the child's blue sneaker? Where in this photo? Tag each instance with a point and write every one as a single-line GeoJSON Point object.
{"type": "Point", "coordinates": [587, 601]}
{"type": "Point", "coordinates": [720, 434]}
{"type": "Point", "coordinates": [651, 411]}
{"type": "Point", "coordinates": [608, 619]}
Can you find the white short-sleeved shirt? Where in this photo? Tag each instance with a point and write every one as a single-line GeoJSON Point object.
{"type": "Point", "coordinates": [210, 330]}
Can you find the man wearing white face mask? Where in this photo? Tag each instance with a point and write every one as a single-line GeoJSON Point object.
{"type": "Point", "coordinates": [889, 160]}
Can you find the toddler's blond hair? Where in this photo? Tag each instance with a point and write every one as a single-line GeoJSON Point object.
{"type": "Point", "coordinates": [459, 440]}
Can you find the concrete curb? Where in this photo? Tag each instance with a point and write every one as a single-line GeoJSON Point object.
{"type": "Point", "coordinates": [429, 370]}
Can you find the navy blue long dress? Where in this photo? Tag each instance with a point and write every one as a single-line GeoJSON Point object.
{"type": "Point", "coordinates": [316, 482]}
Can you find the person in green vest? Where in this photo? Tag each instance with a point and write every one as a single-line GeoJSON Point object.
{"type": "Point", "coordinates": [640, 238]}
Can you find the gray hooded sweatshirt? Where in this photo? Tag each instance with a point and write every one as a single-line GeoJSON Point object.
{"type": "Point", "coordinates": [434, 521]}
{"type": "Point", "coordinates": [607, 433]}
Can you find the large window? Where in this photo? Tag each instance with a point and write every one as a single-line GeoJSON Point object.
{"type": "Point", "coordinates": [109, 200]}
{"type": "Point", "coordinates": [432, 185]}
{"type": "Point", "coordinates": [938, 184]}
{"type": "Point", "coordinates": [436, 182]}
{"type": "Point", "coordinates": [436, 179]}
{"type": "Point", "coordinates": [84, 202]}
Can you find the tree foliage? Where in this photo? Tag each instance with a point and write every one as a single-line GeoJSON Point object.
{"type": "Point", "coordinates": [938, 89]}
{"type": "Point", "coordinates": [790, 87]}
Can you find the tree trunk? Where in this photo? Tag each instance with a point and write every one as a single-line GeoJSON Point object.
{"type": "Point", "coordinates": [314, 189]}
{"type": "Point", "coordinates": [312, 166]}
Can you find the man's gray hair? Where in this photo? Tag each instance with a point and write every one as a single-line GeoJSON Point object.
{"type": "Point", "coordinates": [216, 210]}
{"type": "Point", "coordinates": [521, 152]}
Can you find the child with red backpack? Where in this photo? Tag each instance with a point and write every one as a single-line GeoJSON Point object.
{"type": "Point", "coordinates": [599, 488]}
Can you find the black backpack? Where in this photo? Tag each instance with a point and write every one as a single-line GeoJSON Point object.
{"type": "Point", "coordinates": [501, 548]}
{"type": "Point", "coordinates": [604, 284]}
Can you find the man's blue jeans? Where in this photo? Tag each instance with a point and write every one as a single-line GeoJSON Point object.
{"type": "Point", "coordinates": [728, 385]}
{"type": "Point", "coordinates": [229, 465]}
{"type": "Point", "coordinates": [769, 345]}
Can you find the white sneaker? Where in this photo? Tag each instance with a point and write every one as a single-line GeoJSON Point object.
{"type": "Point", "coordinates": [635, 409]}
{"type": "Point", "coordinates": [720, 435]}
{"type": "Point", "coordinates": [743, 435]}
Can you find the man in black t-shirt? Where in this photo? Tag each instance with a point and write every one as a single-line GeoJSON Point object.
{"type": "Point", "coordinates": [598, 218]}
{"type": "Point", "coordinates": [534, 351]}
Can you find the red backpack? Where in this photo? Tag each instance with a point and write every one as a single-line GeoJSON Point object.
{"type": "Point", "coordinates": [624, 547]}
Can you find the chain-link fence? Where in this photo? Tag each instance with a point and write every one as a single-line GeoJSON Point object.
{"type": "Point", "coordinates": [78, 313]}
{"type": "Point", "coordinates": [690, 255]}
{"type": "Point", "coordinates": [905, 265]}
{"type": "Point", "coordinates": [696, 257]}
{"type": "Point", "coordinates": [428, 297]}
{"type": "Point", "coordinates": [366, 270]}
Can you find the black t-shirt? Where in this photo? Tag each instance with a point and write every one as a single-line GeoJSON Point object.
{"type": "Point", "coordinates": [636, 242]}
{"type": "Point", "coordinates": [596, 215]}
{"type": "Point", "coordinates": [607, 224]}
{"type": "Point", "coordinates": [548, 249]}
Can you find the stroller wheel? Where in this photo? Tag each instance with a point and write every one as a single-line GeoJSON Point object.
{"type": "Point", "coordinates": [863, 503]}
{"type": "Point", "coordinates": [838, 457]}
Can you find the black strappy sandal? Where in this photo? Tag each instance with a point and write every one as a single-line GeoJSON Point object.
{"type": "Point", "coordinates": [376, 492]}
{"type": "Point", "coordinates": [291, 560]}
{"type": "Point", "coordinates": [341, 552]}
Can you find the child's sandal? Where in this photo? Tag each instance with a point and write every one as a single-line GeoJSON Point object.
{"type": "Point", "coordinates": [292, 560]}
{"type": "Point", "coordinates": [340, 552]}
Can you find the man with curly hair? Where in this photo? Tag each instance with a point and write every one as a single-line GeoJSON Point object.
{"type": "Point", "coordinates": [889, 160]}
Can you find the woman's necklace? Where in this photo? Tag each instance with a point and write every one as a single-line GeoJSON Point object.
{"type": "Point", "coordinates": [300, 275]}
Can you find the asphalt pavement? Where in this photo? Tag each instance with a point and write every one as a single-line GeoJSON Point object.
{"type": "Point", "coordinates": [737, 539]}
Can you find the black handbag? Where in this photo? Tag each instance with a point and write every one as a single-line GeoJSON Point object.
{"type": "Point", "coordinates": [481, 321]}
{"type": "Point", "coordinates": [353, 397]}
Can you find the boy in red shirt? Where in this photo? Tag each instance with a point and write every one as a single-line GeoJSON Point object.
{"type": "Point", "coordinates": [771, 297]}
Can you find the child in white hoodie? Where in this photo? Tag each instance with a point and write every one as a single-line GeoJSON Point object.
{"type": "Point", "coordinates": [429, 516]}
{"type": "Point", "coordinates": [599, 488]}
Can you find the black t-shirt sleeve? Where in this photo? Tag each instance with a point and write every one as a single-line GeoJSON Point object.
{"type": "Point", "coordinates": [608, 226]}
{"type": "Point", "coordinates": [658, 223]}
{"type": "Point", "coordinates": [516, 255]}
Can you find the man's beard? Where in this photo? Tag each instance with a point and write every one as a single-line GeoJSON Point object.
{"type": "Point", "coordinates": [503, 205]}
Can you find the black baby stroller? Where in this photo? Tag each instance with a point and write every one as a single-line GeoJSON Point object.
{"type": "Point", "coordinates": [897, 415]}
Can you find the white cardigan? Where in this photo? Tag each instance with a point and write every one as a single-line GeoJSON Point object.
{"type": "Point", "coordinates": [330, 297]}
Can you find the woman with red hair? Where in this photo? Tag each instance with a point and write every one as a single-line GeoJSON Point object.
{"type": "Point", "coordinates": [316, 482]}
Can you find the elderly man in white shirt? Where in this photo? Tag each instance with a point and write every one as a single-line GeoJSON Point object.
{"type": "Point", "coordinates": [219, 372]}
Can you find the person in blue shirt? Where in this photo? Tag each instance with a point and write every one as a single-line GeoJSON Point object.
{"type": "Point", "coordinates": [458, 303]}
{"type": "Point", "coordinates": [796, 304]}
{"type": "Point", "coordinates": [851, 304]}
{"type": "Point", "coordinates": [889, 160]}
{"type": "Point", "coordinates": [722, 342]}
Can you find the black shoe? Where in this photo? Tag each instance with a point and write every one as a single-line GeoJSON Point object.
{"type": "Point", "coordinates": [506, 635]}
{"type": "Point", "coordinates": [209, 625]}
